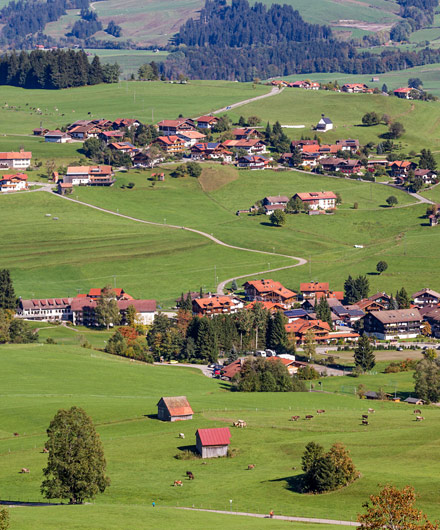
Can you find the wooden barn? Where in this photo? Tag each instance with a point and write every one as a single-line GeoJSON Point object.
{"type": "Point", "coordinates": [174, 409]}
{"type": "Point", "coordinates": [212, 443]}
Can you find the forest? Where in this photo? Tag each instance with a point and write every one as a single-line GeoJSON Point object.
{"type": "Point", "coordinates": [54, 69]}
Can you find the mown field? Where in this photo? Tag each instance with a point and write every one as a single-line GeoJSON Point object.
{"type": "Point", "coordinates": [128, 60]}
{"type": "Point", "coordinates": [121, 397]}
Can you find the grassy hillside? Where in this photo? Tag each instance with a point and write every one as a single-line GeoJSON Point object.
{"type": "Point", "coordinates": [128, 60]}
{"type": "Point", "coordinates": [121, 397]}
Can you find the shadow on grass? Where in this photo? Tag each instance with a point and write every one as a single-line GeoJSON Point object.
{"type": "Point", "coordinates": [373, 274]}
{"type": "Point", "coordinates": [425, 224]}
{"type": "Point", "coordinates": [265, 223]}
{"type": "Point", "coordinates": [30, 503]}
{"type": "Point", "coordinates": [293, 483]}
{"type": "Point", "coordinates": [151, 416]}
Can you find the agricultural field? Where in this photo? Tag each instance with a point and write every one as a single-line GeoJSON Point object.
{"type": "Point", "coordinates": [121, 397]}
{"type": "Point", "coordinates": [128, 60]}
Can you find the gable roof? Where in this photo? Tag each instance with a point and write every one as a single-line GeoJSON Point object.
{"type": "Point", "coordinates": [397, 315]}
{"type": "Point", "coordinates": [316, 196]}
{"type": "Point", "coordinates": [177, 406]}
{"type": "Point", "coordinates": [312, 287]}
{"type": "Point", "coordinates": [267, 286]}
{"type": "Point", "coordinates": [217, 436]}
{"type": "Point", "coordinates": [13, 155]}
{"type": "Point", "coordinates": [430, 292]}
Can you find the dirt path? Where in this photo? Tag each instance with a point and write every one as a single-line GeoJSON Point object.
{"type": "Point", "coordinates": [274, 92]}
{"type": "Point", "coordinates": [220, 289]}
{"type": "Point", "coordinates": [278, 517]}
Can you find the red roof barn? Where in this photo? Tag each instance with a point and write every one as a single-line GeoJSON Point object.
{"type": "Point", "coordinates": [212, 443]}
{"type": "Point", "coordinates": [174, 409]}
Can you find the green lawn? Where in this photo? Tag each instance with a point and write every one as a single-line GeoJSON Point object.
{"type": "Point", "coordinates": [121, 397]}
{"type": "Point", "coordinates": [128, 60]}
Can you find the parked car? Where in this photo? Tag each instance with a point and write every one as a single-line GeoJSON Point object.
{"type": "Point", "coordinates": [270, 353]}
{"type": "Point", "coordinates": [260, 353]}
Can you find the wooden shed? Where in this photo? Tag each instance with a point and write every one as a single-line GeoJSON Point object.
{"type": "Point", "coordinates": [174, 409]}
{"type": "Point", "coordinates": [212, 443]}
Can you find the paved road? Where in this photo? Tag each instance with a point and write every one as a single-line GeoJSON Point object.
{"type": "Point", "coordinates": [203, 367]}
{"type": "Point", "coordinates": [220, 289]}
{"type": "Point", "coordinates": [278, 517]}
{"type": "Point", "coordinates": [274, 92]}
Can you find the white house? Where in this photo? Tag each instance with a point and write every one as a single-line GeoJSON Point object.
{"type": "Point", "coordinates": [56, 137]}
{"type": "Point", "coordinates": [324, 124]}
{"type": "Point", "coordinates": [46, 309]}
{"type": "Point", "coordinates": [320, 200]}
{"type": "Point", "coordinates": [16, 160]}
{"type": "Point", "coordinates": [16, 182]}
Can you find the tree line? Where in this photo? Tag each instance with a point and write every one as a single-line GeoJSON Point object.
{"type": "Point", "coordinates": [54, 69]}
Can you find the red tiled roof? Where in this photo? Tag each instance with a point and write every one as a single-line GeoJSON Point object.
{"type": "Point", "coordinates": [13, 155]}
{"type": "Point", "coordinates": [231, 369]}
{"type": "Point", "coordinates": [170, 140]}
{"type": "Point", "coordinates": [178, 406]}
{"type": "Point", "coordinates": [313, 287]}
{"type": "Point", "coordinates": [266, 286]}
{"type": "Point", "coordinates": [316, 196]}
{"type": "Point", "coordinates": [207, 119]}
{"type": "Point", "coordinates": [211, 302]}
{"type": "Point", "coordinates": [218, 436]}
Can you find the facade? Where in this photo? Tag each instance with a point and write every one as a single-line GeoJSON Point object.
{"type": "Point", "coordinates": [355, 88]}
{"type": "Point", "coordinates": [89, 176]}
{"type": "Point", "coordinates": [320, 200]}
{"type": "Point", "coordinates": [253, 162]}
{"type": "Point", "coordinates": [17, 182]}
{"type": "Point", "coordinates": [212, 443]}
{"type": "Point", "coordinates": [206, 122]}
{"type": "Point", "coordinates": [324, 124]}
{"type": "Point", "coordinates": [400, 323]}
{"type": "Point", "coordinates": [172, 127]}
{"type": "Point", "coordinates": [313, 289]}
{"type": "Point", "coordinates": [432, 316]}
{"type": "Point", "coordinates": [426, 297]}
{"type": "Point", "coordinates": [269, 291]}
{"type": "Point", "coordinates": [404, 93]}
{"type": "Point", "coordinates": [50, 309]}
{"type": "Point", "coordinates": [56, 137]}
{"type": "Point", "coordinates": [174, 409]}
{"type": "Point", "coordinates": [214, 305]}
{"type": "Point", "coordinates": [191, 137]}
{"type": "Point", "coordinates": [253, 146]}
{"type": "Point", "coordinates": [171, 144]}
{"type": "Point", "coordinates": [15, 160]}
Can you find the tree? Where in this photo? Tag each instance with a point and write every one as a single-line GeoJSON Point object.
{"type": "Point", "coordinates": [278, 218]}
{"type": "Point", "coordinates": [427, 160]}
{"type": "Point", "coordinates": [363, 354]}
{"type": "Point", "coordinates": [384, 88]}
{"type": "Point", "coordinates": [392, 201]}
{"type": "Point", "coordinates": [309, 344]}
{"type": "Point", "coordinates": [116, 344]}
{"type": "Point", "coordinates": [361, 287]}
{"type": "Point", "coordinates": [76, 464]}
{"type": "Point", "coordinates": [4, 518]}
{"type": "Point", "coordinates": [20, 332]}
{"type": "Point", "coordinates": [277, 335]}
{"type": "Point", "coordinates": [107, 311]}
{"type": "Point", "coordinates": [393, 509]}
{"type": "Point", "coordinates": [194, 169]}
{"type": "Point", "coordinates": [8, 300]}
{"type": "Point", "coordinates": [234, 285]}
{"type": "Point", "coordinates": [295, 205]}
{"type": "Point", "coordinates": [382, 266]}
{"type": "Point", "coordinates": [427, 379]}
{"type": "Point", "coordinates": [113, 29]}
{"type": "Point", "coordinates": [403, 300]}
{"type": "Point", "coordinates": [323, 311]}
{"type": "Point", "coordinates": [206, 341]}
{"type": "Point", "coordinates": [253, 121]}
{"type": "Point", "coordinates": [371, 118]}
{"type": "Point", "coordinates": [351, 295]}
{"type": "Point", "coordinates": [396, 129]}
{"type": "Point", "coordinates": [415, 82]}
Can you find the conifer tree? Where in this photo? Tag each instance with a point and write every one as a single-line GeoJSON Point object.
{"type": "Point", "coordinates": [8, 300]}
{"type": "Point", "coordinates": [206, 341]}
{"type": "Point", "coordinates": [402, 299]}
{"type": "Point", "coordinates": [323, 311]}
{"type": "Point", "coordinates": [363, 354]}
{"type": "Point", "coordinates": [277, 335]}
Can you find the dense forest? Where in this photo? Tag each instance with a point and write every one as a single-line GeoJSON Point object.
{"type": "Point", "coordinates": [223, 44]}
{"type": "Point", "coordinates": [54, 69]}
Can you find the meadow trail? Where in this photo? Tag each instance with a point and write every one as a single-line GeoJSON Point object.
{"type": "Point", "coordinates": [274, 92]}
{"type": "Point", "coordinates": [278, 517]}
{"type": "Point", "coordinates": [220, 289]}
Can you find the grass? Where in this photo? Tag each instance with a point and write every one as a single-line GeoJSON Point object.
{"type": "Point", "coordinates": [121, 397]}
{"type": "Point", "coordinates": [128, 60]}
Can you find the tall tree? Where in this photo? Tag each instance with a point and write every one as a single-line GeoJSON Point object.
{"type": "Point", "coordinates": [277, 334]}
{"type": "Point", "coordinates": [427, 379]}
{"type": "Point", "coordinates": [259, 322]}
{"type": "Point", "coordinates": [402, 298]}
{"type": "Point", "coordinates": [8, 300]}
{"type": "Point", "coordinates": [107, 311]}
{"type": "Point", "coordinates": [351, 295]}
{"type": "Point", "coordinates": [362, 286]}
{"type": "Point", "coordinates": [363, 354]}
{"type": "Point", "coordinates": [76, 464]}
{"type": "Point", "coordinates": [393, 509]}
{"type": "Point", "coordinates": [323, 311]}
{"type": "Point", "coordinates": [206, 341]}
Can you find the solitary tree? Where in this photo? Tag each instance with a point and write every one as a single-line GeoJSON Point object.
{"type": "Point", "coordinates": [8, 300]}
{"type": "Point", "coordinates": [382, 266]}
{"type": "Point", "coordinates": [392, 201]}
{"type": "Point", "coordinates": [396, 129]}
{"type": "Point", "coordinates": [278, 218]}
{"type": "Point", "coordinates": [363, 354]}
{"type": "Point", "coordinates": [107, 311]}
{"type": "Point", "coordinates": [393, 509]}
{"type": "Point", "coordinates": [76, 464]}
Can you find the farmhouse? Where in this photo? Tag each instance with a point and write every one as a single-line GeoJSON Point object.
{"type": "Point", "coordinates": [245, 133]}
{"type": "Point", "coordinates": [312, 289]}
{"type": "Point", "coordinates": [212, 443]}
{"type": "Point", "coordinates": [48, 309]}
{"type": "Point", "coordinates": [347, 166]}
{"type": "Point", "coordinates": [171, 144]}
{"type": "Point", "coordinates": [210, 151]}
{"type": "Point", "coordinates": [271, 204]}
{"type": "Point", "coordinates": [426, 175]}
{"type": "Point", "coordinates": [426, 297]}
{"type": "Point", "coordinates": [214, 305]}
{"type": "Point", "coordinates": [400, 323]}
{"type": "Point", "coordinates": [404, 93]}
{"type": "Point", "coordinates": [432, 316]}
{"type": "Point", "coordinates": [321, 200]}
{"type": "Point", "coordinates": [414, 401]}
{"type": "Point", "coordinates": [191, 137]}
{"type": "Point", "coordinates": [56, 137]}
{"type": "Point", "coordinates": [296, 330]}
{"type": "Point", "coordinates": [123, 147]}
{"type": "Point", "coordinates": [125, 123]}
{"type": "Point", "coordinates": [17, 182]}
{"type": "Point", "coordinates": [15, 160]}
{"type": "Point", "coordinates": [64, 188]}
{"type": "Point", "coordinates": [172, 127]}
{"type": "Point", "coordinates": [355, 88]}
{"type": "Point", "coordinates": [269, 291]}
{"type": "Point", "coordinates": [206, 122]}
{"type": "Point", "coordinates": [89, 176]}
{"type": "Point", "coordinates": [324, 124]}
{"type": "Point", "coordinates": [368, 305]}
{"type": "Point", "coordinates": [348, 145]}
{"type": "Point", "coordinates": [252, 146]}
{"type": "Point", "coordinates": [174, 409]}
{"type": "Point", "coordinates": [401, 167]}
{"type": "Point", "coordinates": [40, 131]}
{"type": "Point", "coordinates": [111, 136]}
{"type": "Point", "coordinates": [253, 162]}
{"type": "Point", "coordinates": [382, 298]}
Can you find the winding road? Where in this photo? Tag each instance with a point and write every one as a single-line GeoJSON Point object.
{"type": "Point", "coordinates": [274, 92]}
{"type": "Point", "coordinates": [221, 286]}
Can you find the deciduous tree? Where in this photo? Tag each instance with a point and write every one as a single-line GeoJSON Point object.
{"type": "Point", "coordinates": [107, 311]}
{"type": "Point", "coordinates": [382, 266]}
{"type": "Point", "coordinates": [278, 218]}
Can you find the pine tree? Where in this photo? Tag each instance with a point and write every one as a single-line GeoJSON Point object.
{"type": "Point", "coordinates": [323, 311]}
{"type": "Point", "coordinates": [95, 72]}
{"type": "Point", "coordinates": [8, 300]}
{"type": "Point", "coordinates": [116, 344]}
{"type": "Point", "coordinates": [362, 286]}
{"type": "Point", "coordinates": [363, 354]}
{"type": "Point", "coordinates": [402, 299]}
{"type": "Point", "coordinates": [277, 335]}
{"type": "Point", "coordinates": [351, 293]}
{"type": "Point", "coordinates": [76, 464]}
{"type": "Point", "coordinates": [268, 132]}
{"type": "Point", "coordinates": [206, 341]}
{"type": "Point", "coordinates": [393, 303]}
{"type": "Point", "coordinates": [241, 122]}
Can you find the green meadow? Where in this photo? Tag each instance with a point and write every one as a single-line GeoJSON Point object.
{"type": "Point", "coordinates": [121, 397]}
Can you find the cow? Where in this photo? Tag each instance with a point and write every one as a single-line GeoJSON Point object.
{"type": "Point", "coordinates": [364, 422]}
{"type": "Point", "coordinates": [417, 411]}
{"type": "Point", "coordinates": [308, 417]}
{"type": "Point", "coordinates": [320, 411]}
{"type": "Point", "coordinates": [371, 411]}
{"type": "Point", "coordinates": [419, 418]}
{"type": "Point", "coordinates": [181, 435]}
{"type": "Point", "coordinates": [16, 434]}
{"type": "Point", "coordinates": [45, 450]}
{"type": "Point", "coordinates": [178, 483]}
{"type": "Point", "coordinates": [24, 470]}
{"type": "Point", "coordinates": [365, 416]}
{"type": "Point", "coordinates": [251, 466]}
{"type": "Point", "coordinates": [190, 475]}
{"type": "Point", "coordinates": [295, 418]}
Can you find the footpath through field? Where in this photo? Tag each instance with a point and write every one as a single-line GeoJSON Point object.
{"type": "Point", "coordinates": [221, 286]}
{"type": "Point", "coordinates": [279, 517]}
{"type": "Point", "coordinates": [274, 92]}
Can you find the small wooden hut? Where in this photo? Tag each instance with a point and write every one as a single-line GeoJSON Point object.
{"type": "Point", "coordinates": [212, 443]}
{"type": "Point", "coordinates": [174, 409]}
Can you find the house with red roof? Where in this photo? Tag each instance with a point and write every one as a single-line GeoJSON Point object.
{"type": "Point", "coordinates": [17, 182]}
{"type": "Point", "coordinates": [212, 443]}
{"type": "Point", "coordinates": [320, 200]}
{"type": "Point", "coordinates": [172, 127]}
{"type": "Point", "coordinates": [404, 92]}
{"type": "Point", "coordinates": [191, 137]}
{"type": "Point", "coordinates": [15, 159]}
{"type": "Point", "coordinates": [207, 122]}
{"type": "Point", "coordinates": [253, 162]}
{"type": "Point", "coordinates": [123, 147]}
{"type": "Point", "coordinates": [297, 330]}
{"type": "Point", "coordinates": [215, 305]}
{"type": "Point", "coordinates": [269, 291]}
{"type": "Point", "coordinates": [174, 409]}
{"type": "Point", "coordinates": [354, 88]}
{"type": "Point", "coordinates": [89, 175]}
{"type": "Point", "coordinates": [47, 309]}
{"type": "Point", "coordinates": [111, 136]}
{"type": "Point", "coordinates": [211, 151]}
{"type": "Point", "coordinates": [400, 168]}
{"type": "Point", "coordinates": [312, 289]}
{"type": "Point", "coordinates": [125, 123]}
{"type": "Point", "coordinates": [245, 133]}
{"type": "Point", "coordinates": [252, 145]}
{"type": "Point", "coordinates": [171, 144]}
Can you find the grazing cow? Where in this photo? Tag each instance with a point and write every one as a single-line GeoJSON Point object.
{"type": "Point", "coordinates": [24, 470]}
{"type": "Point", "coordinates": [364, 422]}
{"type": "Point", "coordinates": [239, 423]}
{"type": "Point", "coordinates": [419, 418]}
{"type": "Point", "coordinates": [251, 466]}
{"type": "Point", "coordinates": [370, 411]}
{"type": "Point", "coordinates": [365, 416]}
{"type": "Point", "coordinates": [178, 483]}
{"type": "Point", "coordinates": [190, 475]}
{"type": "Point", "coordinates": [309, 417]}
{"type": "Point", "coordinates": [320, 411]}
{"type": "Point", "coordinates": [417, 411]}
{"type": "Point", "coordinates": [45, 450]}
{"type": "Point", "coordinates": [16, 434]}
{"type": "Point", "coordinates": [181, 435]}
{"type": "Point", "coordinates": [295, 418]}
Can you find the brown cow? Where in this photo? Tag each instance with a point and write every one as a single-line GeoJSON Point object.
{"type": "Point", "coordinates": [419, 418]}
{"type": "Point", "coordinates": [251, 466]}
{"type": "Point", "coordinates": [24, 470]}
{"type": "Point", "coordinates": [320, 411]}
{"type": "Point", "coordinates": [309, 417]}
{"type": "Point", "coordinates": [16, 434]}
{"type": "Point", "coordinates": [417, 411]}
{"type": "Point", "coordinates": [295, 418]}
{"type": "Point", "coordinates": [364, 422]}
{"type": "Point", "coordinates": [190, 475]}
{"type": "Point", "coordinates": [178, 483]}
{"type": "Point", "coordinates": [365, 416]}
